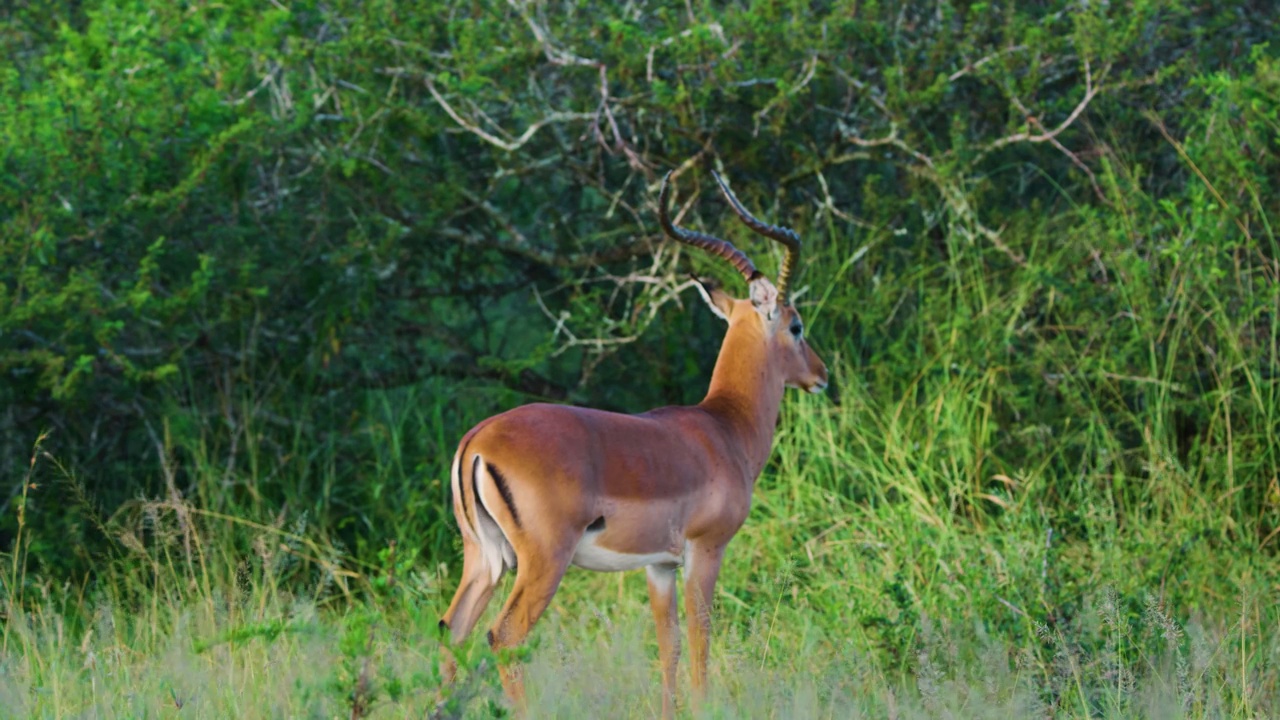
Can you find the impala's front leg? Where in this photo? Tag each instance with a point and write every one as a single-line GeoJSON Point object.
{"type": "Point", "coordinates": [702, 568]}
{"type": "Point", "coordinates": [662, 596]}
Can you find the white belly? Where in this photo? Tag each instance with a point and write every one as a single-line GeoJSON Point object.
{"type": "Point", "coordinates": [593, 557]}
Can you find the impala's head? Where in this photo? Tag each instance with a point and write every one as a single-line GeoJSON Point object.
{"type": "Point", "coordinates": [767, 313]}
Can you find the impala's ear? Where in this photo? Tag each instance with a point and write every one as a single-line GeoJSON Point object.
{"type": "Point", "coordinates": [764, 297]}
{"type": "Point", "coordinates": [719, 301]}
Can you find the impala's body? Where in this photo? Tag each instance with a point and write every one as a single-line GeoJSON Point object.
{"type": "Point", "coordinates": [541, 487]}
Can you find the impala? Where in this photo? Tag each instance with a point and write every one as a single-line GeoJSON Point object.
{"type": "Point", "coordinates": [542, 487]}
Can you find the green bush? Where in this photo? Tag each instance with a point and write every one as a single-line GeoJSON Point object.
{"type": "Point", "coordinates": [273, 262]}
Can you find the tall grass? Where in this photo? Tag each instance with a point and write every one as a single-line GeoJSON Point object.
{"type": "Point", "coordinates": [883, 573]}
{"type": "Point", "coordinates": [827, 609]}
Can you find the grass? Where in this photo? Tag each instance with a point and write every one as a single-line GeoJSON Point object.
{"type": "Point", "coordinates": [828, 608]}
{"type": "Point", "coordinates": [937, 545]}
{"type": "Point", "coordinates": [236, 645]}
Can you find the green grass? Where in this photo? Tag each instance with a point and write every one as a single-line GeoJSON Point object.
{"type": "Point", "coordinates": [885, 606]}
{"type": "Point", "coordinates": [246, 649]}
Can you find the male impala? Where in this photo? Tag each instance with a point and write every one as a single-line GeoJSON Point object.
{"type": "Point", "coordinates": [542, 487]}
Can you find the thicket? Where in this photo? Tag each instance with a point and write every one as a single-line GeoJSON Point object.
{"type": "Point", "coordinates": [262, 264]}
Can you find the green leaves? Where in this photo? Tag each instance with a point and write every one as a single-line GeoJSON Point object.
{"type": "Point", "coordinates": [208, 206]}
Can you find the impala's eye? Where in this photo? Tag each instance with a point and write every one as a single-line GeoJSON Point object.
{"type": "Point", "coordinates": [797, 329]}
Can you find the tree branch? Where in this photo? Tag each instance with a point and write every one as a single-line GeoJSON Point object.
{"type": "Point", "coordinates": [1090, 90]}
{"type": "Point", "coordinates": [497, 141]}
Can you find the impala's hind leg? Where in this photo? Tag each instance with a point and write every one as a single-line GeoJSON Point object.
{"type": "Point", "coordinates": [469, 602]}
{"type": "Point", "coordinates": [538, 575]}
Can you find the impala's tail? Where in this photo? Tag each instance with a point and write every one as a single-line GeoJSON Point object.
{"type": "Point", "coordinates": [479, 489]}
{"type": "Point", "coordinates": [484, 490]}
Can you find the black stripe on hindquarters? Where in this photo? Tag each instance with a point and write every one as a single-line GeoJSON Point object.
{"type": "Point", "coordinates": [475, 465]}
{"type": "Point", "coordinates": [462, 491]}
{"type": "Point", "coordinates": [503, 490]}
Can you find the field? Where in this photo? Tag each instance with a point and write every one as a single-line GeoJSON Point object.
{"type": "Point", "coordinates": [828, 608]}
{"type": "Point", "coordinates": [261, 269]}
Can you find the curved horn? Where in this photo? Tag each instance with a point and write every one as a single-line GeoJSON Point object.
{"type": "Point", "coordinates": [713, 245]}
{"type": "Point", "coordinates": [786, 236]}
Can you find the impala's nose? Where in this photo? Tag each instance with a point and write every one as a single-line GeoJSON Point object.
{"type": "Point", "coordinates": [818, 387]}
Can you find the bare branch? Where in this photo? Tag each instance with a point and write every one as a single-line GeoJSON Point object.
{"type": "Point", "coordinates": [542, 256]}
{"type": "Point", "coordinates": [872, 93]}
{"type": "Point", "coordinates": [826, 162]}
{"type": "Point", "coordinates": [1090, 90]}
{"type": "Point", "coordinates": [715, 28]}
{"type": "Point", "coordinates": [559, 56]}
{"type": "Point", "coordinates": [680, 170]}
{"type": "Point", "coordinates": [952, 194]}
{"type": "Point", "coordinates": [496, 141]}
{"type": "Point", "coordinates": [828, 205]}
{"type": "Point", "coordinates": [659, 287]}
{"type": "Point", "coordinates": [1051, 136]}
{"type": "Point", "coordinates": [554, 54]}
{"type": "Point", "coordinates": [890, 139]}
{"type": "Point", "coordinates": [1075, 160]}
{"type": "Point", "coordinates": [970, 67]}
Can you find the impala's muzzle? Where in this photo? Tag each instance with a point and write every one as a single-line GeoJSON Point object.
{"type": "Point", "coordinates": [817, 371]}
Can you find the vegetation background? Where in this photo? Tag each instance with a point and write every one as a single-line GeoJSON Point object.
{"type": "Point", "coordinates": [263, 263]}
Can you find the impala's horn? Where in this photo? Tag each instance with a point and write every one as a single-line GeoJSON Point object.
{"type": "Point", "coordinates": [786, 236]}
{"type": "Point", "coordinates": [711, 244]}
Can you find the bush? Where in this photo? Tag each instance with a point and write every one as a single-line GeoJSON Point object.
{"type": "Point", "coordinates": [276, 261]}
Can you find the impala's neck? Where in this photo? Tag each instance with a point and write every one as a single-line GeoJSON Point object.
{"type": "Point", "coordinates": [746, 391]}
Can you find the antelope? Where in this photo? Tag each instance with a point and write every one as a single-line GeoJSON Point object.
{"type": "Point", "coordinates": [542, 487]}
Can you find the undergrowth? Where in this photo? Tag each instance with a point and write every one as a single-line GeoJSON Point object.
{"type": "Point", "coordinates": [827, 608]}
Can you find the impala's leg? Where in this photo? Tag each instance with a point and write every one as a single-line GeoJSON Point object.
{"type": "Point", "coordinates": [702, 568]}
{"type": "Point", "coordinates": [469, 601]}
{"type": "Point", "coordinates": [662, 596]}
{"type": "Point", "coordinates": [538, 575]}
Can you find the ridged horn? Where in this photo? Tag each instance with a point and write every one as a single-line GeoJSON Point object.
{"type": "Point", "coordinates": [711, 244]}
{"type": "Point", "coordinates": [786, 236]}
